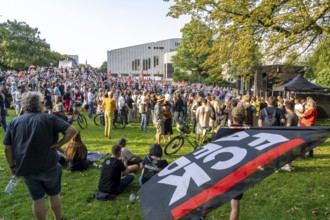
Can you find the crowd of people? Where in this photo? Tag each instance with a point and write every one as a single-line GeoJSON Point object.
{"type": "Point", "coordinates": [38, 93]}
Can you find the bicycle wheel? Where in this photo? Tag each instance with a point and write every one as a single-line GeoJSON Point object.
{"type": "Point", "coordinates": [119, 122]}
{"type": "Point", "coordinates": [98, 121]}
{"type": "Point", "coordinates": [82, 122]}
{"type": "Point", "coordinates": [174, 145]}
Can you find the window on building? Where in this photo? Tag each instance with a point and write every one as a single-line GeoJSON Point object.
{"type": "Point", "coordinates": [138, 64]}
{"type": "Point", "coordinates": [156, 61]}
{"type": "Point", "coordinates": [149, 63]}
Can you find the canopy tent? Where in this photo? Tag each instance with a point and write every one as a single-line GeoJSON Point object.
{"type": "Point", "coordinates": [299, 84]}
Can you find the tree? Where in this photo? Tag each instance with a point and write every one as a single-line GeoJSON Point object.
{"type": "Point", "coordinates": [194, 49]}
{"type": "Point", "coordinates": [320, 64]}
{"type": "Point", "coordinates": [103, 68]}
{"type": "Point", "coordinates": [21, 47]}
{"type": "Point", "coordinates": [274, 27]}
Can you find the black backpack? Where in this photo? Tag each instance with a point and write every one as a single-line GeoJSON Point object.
{"type": "Point", "coordinates": [213, 116]}
{"type": "Point", "coordinates": [270, 120]}
{"type": "Point", "coordinates": [249, 115]}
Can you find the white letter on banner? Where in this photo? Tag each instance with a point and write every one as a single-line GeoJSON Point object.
{"type": "Point", "coordinates": [235, 137]}
{"type": "Point", "coordinates": [207, 149]}
{"type": "Point", "coordinates": [238, 155]}
{"type": "Point", "coordinates": [266, 137]}
{"type": "Point", "coordinates": [181, 162]}
{"type": "Point", "coordinates": [194, 172]}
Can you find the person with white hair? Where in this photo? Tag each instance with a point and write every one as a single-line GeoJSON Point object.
{"type": "Point", "coordinates": [31, 141]}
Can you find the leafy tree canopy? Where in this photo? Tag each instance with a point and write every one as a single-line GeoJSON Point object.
{"type": "Point", "coordinates": [21, 47]}
{"type": "Point", "coordinates": [320, 64]}
{"type": "Point", "coordinates": [274, 27]}
{"type": "Point", "coordinates": [194, 48]}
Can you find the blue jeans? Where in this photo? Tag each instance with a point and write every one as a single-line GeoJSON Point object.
{"type": "Point", "coordinates": [124, 182]}
{"type": "Point", "coordinates": [178, 116]}
{"type": "Point", "coordinates": [4, 123]}
{"type": "Point", "coordinates": [143, 125]}
{"type": "Point", "coordinates": [90, 109]}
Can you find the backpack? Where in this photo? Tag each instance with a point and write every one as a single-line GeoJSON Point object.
{"type": "Point", "coordinates": [213, 116]}
{"type": "Point", "coordinates": [270, 120]}
{"type": "Point", "coordinates": [249, 115]}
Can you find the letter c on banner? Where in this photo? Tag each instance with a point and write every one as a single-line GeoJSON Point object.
{"type": "Point", "coordinates": [238, 155]}
{"type": "Point", "coordinates": [180, 163]}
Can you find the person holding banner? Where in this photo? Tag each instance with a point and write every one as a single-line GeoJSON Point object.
{"type": "Point", "coordinates": [237, 118]}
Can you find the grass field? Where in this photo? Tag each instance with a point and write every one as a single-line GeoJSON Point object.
{"type": "Point", "coordinates": [302, 194]}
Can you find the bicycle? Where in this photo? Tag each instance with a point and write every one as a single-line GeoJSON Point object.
{"type": "Point", "coordinates": [175, 144]}
{"type": "Point", "coordinates": [75, 116]}
{"type": "Point", "coordinates": [118, 120]}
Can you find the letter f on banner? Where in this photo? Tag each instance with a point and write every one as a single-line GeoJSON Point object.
{"type": "Point", "coordinates": [193, 172]}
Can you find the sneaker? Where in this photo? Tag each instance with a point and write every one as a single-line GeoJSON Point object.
{"type": "Point", "coordinates": [276, 170]}
{"type": "Point", "coordinates": [261, 168]}
{"type": "Point", "coordinates": [286, 167]}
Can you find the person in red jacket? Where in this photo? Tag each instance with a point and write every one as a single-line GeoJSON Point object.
{"type": "Point", "coordinates": [308, 118]}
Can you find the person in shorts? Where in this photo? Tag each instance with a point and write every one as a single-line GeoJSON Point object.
{"type": "Point", "coordinates": [31, 142]}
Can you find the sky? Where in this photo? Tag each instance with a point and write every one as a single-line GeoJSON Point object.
{"type": "Point", "coordinates": [89, 28]}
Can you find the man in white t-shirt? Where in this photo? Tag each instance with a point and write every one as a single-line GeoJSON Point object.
{"type": "Point", "coordinates": [91, 101]}
{"type": "Point", "coordinates": [298, 108]}
{"type": "Point", "coordinates": [203, 114]}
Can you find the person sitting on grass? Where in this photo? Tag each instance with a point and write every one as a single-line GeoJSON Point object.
{"type": "Point", "coordinates": [153, 163]}
{"type": "Point", "coordinates": [76, 155]}
{"type": "Point", "coordinates": [114, 176]}
{"type": "Point", "coordinates": [133, 161]}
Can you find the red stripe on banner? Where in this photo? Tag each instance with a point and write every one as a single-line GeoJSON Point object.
{"type": "Point", "coordinates": [238, 175]}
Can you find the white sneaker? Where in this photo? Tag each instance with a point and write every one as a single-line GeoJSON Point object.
{"type": "Point", "coordinates": [286, 167]}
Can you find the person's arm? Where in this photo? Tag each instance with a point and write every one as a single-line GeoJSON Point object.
{"type": "Point", "coordinates": [68, 134]}
{"type": "Point", "coordinates": [125, 172]}
{"type": "Point", "coordinates": [10, 158]}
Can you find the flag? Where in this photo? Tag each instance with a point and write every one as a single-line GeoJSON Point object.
{"type": "Point", "coordinates": [203, 180]}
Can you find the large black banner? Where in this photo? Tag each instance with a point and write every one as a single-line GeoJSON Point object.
{"type": "Point", "coordinates": [203, 180]}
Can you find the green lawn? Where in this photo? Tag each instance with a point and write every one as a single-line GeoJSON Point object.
{"type": "Point", "coordinates": [301, 194]}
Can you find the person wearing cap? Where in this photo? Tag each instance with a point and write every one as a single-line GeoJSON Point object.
{"type": "Point", "coordinates": [153, 163]}
{"type": "Point", "coordinates": [237, 118]}
{"type": "Point", "coordinates": [158, 119]}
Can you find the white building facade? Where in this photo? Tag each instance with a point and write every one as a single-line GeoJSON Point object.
{"type": "Point", "coordinates": [145, 60]}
